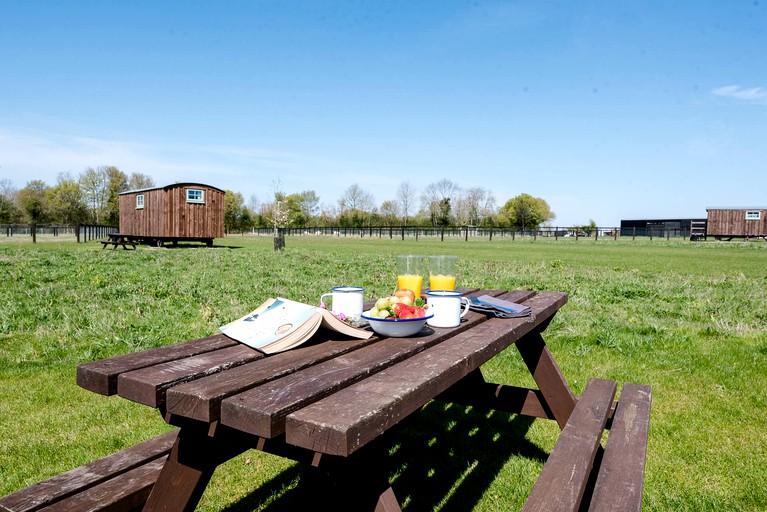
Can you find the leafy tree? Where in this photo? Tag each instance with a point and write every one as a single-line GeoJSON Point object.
{"type": "Point", "coordinates": [389, 213]}
{"type": "Point", "coordinates": [295, 208]}
{"type": "Point", "coordinates": [443, 218]}
{"type": "Point", "coordinates": [8, 211]}
{"type": "Point", "coordinates": [309, 205]}
{"type": "Point", "coordinates": [234, 211]}
{"type": "Point", "coordinates": [118, 182]}
{"type": "Point", "coordinates": [33, 201]}
{"type": "Point", "coordinates": [66, 202]}
{"type": "Point", "coordinates": [526, 212]}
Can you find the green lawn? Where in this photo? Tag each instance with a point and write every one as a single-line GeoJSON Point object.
{"type": "Point", "coordinates": [687, 318]}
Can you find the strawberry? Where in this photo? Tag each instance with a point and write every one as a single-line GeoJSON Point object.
{"type": "Point", "coordinates": [402, 310]}
{"type": "Point", "coordinates": [419, 312]}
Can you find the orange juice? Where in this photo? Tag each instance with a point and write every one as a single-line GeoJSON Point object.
{"type": "Point", "coordinates": [441, 282]}
{"type": "Point", "coordinates": [411, 282]}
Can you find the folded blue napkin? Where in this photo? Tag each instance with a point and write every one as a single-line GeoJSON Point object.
{"type": "Point", "coordinates": [498, 307]}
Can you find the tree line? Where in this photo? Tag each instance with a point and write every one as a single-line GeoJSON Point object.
{"type": "Point", "coordinates": [440, 204]}
{"type": "Point", "coordinates": [92, 198]}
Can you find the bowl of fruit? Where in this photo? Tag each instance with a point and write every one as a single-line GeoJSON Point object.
{"type": "Point", "coordinates": [398, 315]}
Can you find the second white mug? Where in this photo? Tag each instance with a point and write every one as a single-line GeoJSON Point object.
{"type": "Point", "coordinates": [446, 306]}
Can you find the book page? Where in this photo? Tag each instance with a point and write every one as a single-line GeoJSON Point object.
{"type": "Point", "coordinates": [264, 326]}
{"type": "Point", "coordinates": [331, 322]}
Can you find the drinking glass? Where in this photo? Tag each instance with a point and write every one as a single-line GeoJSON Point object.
{"type": "Point", "coordinates": [442, 272]}
{"type": "Point", "coordinates": [410, 270]}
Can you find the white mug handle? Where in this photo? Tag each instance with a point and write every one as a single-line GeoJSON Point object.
{"type": "Point", "coordinates": [322, 297]}
{"type": "Point", "coordinates": [466, 308]}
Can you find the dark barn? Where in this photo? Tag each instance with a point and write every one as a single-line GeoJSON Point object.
{"type": "Point", "coordinates": [174, 213]}
{"type": "Point", "coordinates": [659, 227]}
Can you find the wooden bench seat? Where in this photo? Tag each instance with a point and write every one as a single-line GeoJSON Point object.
{"type": "Point", "coordinates": [120, 482]}
{"type": "Point", "coordinates": [579, 471]}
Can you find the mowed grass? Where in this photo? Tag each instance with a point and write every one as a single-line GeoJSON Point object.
{"type": "Point", "coordinates": [689, 319]}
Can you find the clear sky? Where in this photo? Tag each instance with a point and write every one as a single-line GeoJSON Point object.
{"type": "Point", "coordinates": [608, 110]}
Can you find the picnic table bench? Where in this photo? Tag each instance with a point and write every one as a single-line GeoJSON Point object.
{"type": "Point", "coordinates": [118, 482]}
{"type": "Point", "coordinates": [326, 402]}
{"type": "Point", "coordinates": [116, 239]}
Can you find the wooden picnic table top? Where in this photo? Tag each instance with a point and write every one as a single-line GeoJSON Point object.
{"type": "Point", "coordinates": [329, 397]}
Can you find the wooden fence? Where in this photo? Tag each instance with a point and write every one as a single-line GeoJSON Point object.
{"type": "Point", "coordinates": [467, 232]}
{"type": "Point", "coordinates": [80, 232]}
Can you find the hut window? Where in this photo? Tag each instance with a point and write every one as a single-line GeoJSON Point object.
{"type": "Point", "coordinates": [195, 195]}
{"type": "Point", "coordinates": [753, 215]}
{"type": "Point", "coordinates": [140, 202]}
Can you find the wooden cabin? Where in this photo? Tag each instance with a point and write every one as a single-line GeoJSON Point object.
{"type": "Point", "coordinates": [174, 213]}
{"type": "Point", "coordinates": [736, 222]}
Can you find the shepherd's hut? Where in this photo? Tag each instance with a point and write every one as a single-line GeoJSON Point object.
{"type": "Point", "coordinates": [175, 213]}
{"type": "Point", "coordinates": [736, 222]}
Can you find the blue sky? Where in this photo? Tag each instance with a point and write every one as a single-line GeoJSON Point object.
{"type": "Point", "coordinates": [608, 110]}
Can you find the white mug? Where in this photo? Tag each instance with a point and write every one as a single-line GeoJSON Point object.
{"type": "Point", "coordinates": [446, 306]}
{"type": "Point", "coordinates": [346, 300]}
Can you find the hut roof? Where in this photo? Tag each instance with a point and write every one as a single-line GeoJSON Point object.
{"type": "Point", "coordinates": [173, 185]}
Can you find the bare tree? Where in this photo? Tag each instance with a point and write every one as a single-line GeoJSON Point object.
{"type": "Point", "coordinates": [437, 200]}
{"type": "Point", "coordinates": [95, 187]}
{"type": "Point", "coordinates": [137, 181]}
{"type": "Point", "coordinates": [355, 206]}
{"type": "Point", "coordinates": [474, 205]}
{"type": "Point", "coordinates": [405, 200]}
{"type": "Point", "coordinates": [356, 198]}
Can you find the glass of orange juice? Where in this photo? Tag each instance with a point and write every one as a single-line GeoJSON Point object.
{"type": "Point", "coordinates": [442, 272]}
{"type": "Point", "coordinates": [410, 270]}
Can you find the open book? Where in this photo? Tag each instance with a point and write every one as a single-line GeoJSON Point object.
{"type": "Point", "coordinates": [281, 324]}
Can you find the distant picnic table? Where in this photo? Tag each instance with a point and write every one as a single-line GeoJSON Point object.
{"type": "Point", "coordinates": [116, 240]}
{"type": "Point", "coordinates": [323, 402]}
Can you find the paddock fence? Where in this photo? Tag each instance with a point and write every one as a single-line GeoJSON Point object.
{"type": "Point", "coordinates": [79, 232]}
{"type": "Point", "coordinates": [467, 232]}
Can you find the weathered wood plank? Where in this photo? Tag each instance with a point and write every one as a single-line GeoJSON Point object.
{"type": "Point", "coordinates": [122, 494]}
{"type": "Point", "coordinates": [148, 385]}
{"type": "Point", "coordinates": [65, 485]}
{"type": "Point", "coordinates": [621, 474]}
{"type": "Point", "coordinates": [261, 411]}
{"type": "Point", "coordinates": [347, 420]}
{"type": "Point", "coordinates": [562, 482]}
{"type": "Point", "coordinates": [101, 376]}
{"type": "Point", "coordinates": [201, 398]}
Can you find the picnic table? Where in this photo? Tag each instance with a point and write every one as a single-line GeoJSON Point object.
{"type": "Point", "coordinates": [117, 239]}
{"type": "Point", "coordinates": [326, 401]}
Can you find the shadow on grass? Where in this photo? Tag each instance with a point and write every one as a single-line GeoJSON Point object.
{"type": "Point", "coordinates": [445, 457]}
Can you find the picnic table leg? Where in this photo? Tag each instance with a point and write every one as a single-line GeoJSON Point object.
{"type": "Point", "coordinates": [552, 384]}
{"type": "Point", "coordinates": [387, 502]}
{"type": "Point", "coordinates": [190, 465]}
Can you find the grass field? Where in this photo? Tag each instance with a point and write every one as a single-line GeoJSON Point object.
{"type": "Point", "coordinates": [687, 318]}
